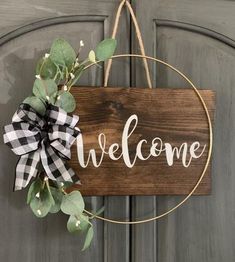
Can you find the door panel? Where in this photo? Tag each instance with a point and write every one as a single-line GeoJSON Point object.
{"type": "Point", "coordinates": [197, 38]}
{"type": "Point", "coordinates": [26, 35]}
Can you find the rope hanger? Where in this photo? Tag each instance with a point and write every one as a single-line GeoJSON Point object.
{"type": "Point", "coordinates": [139, 38]}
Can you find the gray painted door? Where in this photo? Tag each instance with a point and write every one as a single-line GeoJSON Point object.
{"type": "Point", "coordinates": [195, 36]}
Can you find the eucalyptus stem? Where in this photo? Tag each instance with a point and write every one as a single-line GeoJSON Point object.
{"type": "Point", "coordinates": [48, 187]}
{"type": "Point", "coordinates": [43, 183]}
{"type": "Point", "coordinates": [40, 70]}
{"type": "Point", "coordinates": [55, 77]}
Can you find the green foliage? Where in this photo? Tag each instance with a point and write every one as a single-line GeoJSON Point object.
{"type": "Point", "coordinates": [84, 222]}
{"type": "Point", "coordinates": [62, 53]}
{"type": "Point", "coordinates": [73, 224]}
{"type": "Point", "coordinates": [105, 49]}
{"type": "Point", "coordinates": [36, 103]}
{"type": "Point", "coordinates": [72, 203]}
{"type": "Point", "coordinates": [42, 203]}
{"type": "Point", "coordinates": [57, 196]}
{"type": "Point", "coordinates": [66, 102]}
{"type": "Point", "coordinates": [61, 67]}
{"type": "Point", "coordinates": [80, 223]}
{"type": "Point", "coordinates": [44, 88]}
{"type": "Point", "coordinates": [46, 68]}
{"type": "Point", "coordinates": [89, 237]}
{"type": "Point", "coordinates": [77, 224]}
{"type": "Point", "coordinates": [34, 188]}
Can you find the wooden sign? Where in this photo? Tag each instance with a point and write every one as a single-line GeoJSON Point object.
{"type": "Point", "coordinates": [141, 141]}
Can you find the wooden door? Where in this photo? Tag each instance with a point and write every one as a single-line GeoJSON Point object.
{"type": "Point", "coordinates": [195, 36]}
{"type": "Point", "coordinates": [198, 38]}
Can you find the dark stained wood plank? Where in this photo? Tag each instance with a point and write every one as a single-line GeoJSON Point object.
{"type": "Point", "coordinates": [174, 115]}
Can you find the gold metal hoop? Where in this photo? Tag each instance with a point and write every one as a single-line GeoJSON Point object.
{"type": "Point", "coordinates": [208, 156]}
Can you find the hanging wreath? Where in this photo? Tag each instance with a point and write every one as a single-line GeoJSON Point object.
{"type": "Point", "coordinates": [42, 133]}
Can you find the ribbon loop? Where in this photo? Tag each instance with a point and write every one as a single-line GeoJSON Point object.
{"type": "Point", "coordinates": [62, 138]}
{"type": "Point", "coordinates": [57, 116]}
{"type": "Point", "coordinates": [27, 167]}
{"type": "Point", "coordinates": [21, 137]}
{"type": "Point", "coordinates": [27, 114]}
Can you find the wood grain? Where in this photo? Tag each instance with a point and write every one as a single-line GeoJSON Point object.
{"type": "Point", "coordinates": [175, 115]}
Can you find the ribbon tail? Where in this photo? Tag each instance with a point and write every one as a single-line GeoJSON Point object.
{"type": "Point", "coordinates": [55, 167]}
{"type": "Point", "coordinates": [26, 169]}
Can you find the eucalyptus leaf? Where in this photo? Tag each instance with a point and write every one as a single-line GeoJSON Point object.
{"type": "Point", "coordinates": [41, 204]}
{"type": "Point", "coordinates": [84, 222]}
{"type": "Point", "coordinates": [105, 49]}
{"type": "Point", "coordinates": [46, 68]}
{"type": "Point", "coordinates": [77, 224]}
{"type": "Point", "coordinates": [72, 203]}
{"type": "Point", "coordinates": [66, 102]}
{"type": "Point", "coordinates": [36, 103]}
{"type": "Point", "coordinates": [89, 237]}
{"type": "Point", "coordinates": [72, 224]}
{"type": "Point", "coordinates": [57, 196]}
{"type": "Point", "coordinates": [34, 188]}
{"type": "Point", "coordinates": [62, 53]}
{"type": "Point", "coordinates": [43, 88]}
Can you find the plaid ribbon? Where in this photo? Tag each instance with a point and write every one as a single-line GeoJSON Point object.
{"type": "Point", "coordinates": [44, 141]}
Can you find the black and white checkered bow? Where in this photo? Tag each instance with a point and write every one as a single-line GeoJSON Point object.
{"type": "Point", "coordinates": [46, 140]}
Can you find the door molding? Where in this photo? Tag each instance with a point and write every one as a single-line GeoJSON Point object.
{"type": "Point", "coordinates": [49, 22]}
{"type": "Point", "coordinates": [196, 29]}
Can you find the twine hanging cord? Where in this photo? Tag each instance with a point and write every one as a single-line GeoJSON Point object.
{"type": "Point", "coordinates": [139, 38]}
{"type": "Point", "coordinates": [208, 156]}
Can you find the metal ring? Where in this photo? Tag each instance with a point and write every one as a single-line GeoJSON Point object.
{"type": "Point", "coordinates": [208, 156]}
